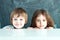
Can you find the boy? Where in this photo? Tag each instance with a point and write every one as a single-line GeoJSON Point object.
{"type": "Point", "coordinates": [18, 19]}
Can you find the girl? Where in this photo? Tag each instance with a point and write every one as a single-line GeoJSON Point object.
{"type": "Point", "coordinates": [42, 20]}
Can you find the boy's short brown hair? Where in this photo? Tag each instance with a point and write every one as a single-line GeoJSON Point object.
{"type": "Point", "coordinates": [19, 12]}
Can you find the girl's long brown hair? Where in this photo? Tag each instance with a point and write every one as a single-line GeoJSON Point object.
{"type": "Point", "coordinates": [50, 22]}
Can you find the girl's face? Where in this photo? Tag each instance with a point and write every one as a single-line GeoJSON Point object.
{"type": "Point", "coordinates": [41, 21]}
{"type": "Point", "coordinates": [18, 22]}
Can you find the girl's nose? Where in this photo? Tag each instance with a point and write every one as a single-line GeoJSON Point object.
{"type": "Point", "coordinates": [41, 22]}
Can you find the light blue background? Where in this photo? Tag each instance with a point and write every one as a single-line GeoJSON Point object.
{"type": "Point", "coordinates": [6, 7]}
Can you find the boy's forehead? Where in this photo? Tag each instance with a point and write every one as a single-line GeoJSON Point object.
{"type": "Point", "coordinates": [16, 16]}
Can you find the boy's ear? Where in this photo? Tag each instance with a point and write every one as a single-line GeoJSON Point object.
{"type": "Point", "coordinates": [25, 22]}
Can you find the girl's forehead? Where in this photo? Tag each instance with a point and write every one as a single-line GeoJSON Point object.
{"type": "Point", "coordinates": [41, 17]}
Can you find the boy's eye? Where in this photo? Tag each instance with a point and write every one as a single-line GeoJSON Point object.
{"type": "Point", "coordinates": [21, 19]}
{"type": "Point", "coordinates": [15, 19]}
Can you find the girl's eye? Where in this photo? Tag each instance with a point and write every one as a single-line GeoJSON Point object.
{"type": "Point", "coordinates": [44, 20]}
{"type": "Point", "coordinates": [38, 20]}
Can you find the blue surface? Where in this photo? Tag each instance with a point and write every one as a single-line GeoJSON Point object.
{"type": "Point", "coordinates": [30, 34]}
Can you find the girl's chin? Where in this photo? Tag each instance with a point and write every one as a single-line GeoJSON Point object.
{"type": "Point", "coordinates": [41, 27]}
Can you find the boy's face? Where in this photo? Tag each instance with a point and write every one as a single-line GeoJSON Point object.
{"type": "Point", "coordinates": [41, 22]}
{"type": "Point", "coordinates": [18, 22]}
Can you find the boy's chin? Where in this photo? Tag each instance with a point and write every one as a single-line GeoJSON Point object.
{"type": "Point", "coordinates": [18, 27]}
